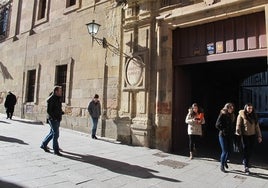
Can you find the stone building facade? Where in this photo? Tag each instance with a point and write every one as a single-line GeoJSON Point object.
{"type": "Point", "coordinates": [144, 95]}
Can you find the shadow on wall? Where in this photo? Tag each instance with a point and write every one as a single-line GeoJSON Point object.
{"type": "Point", "coordinates": [2, 96]}
{"type": "Point", "coordinates": [4, 72]}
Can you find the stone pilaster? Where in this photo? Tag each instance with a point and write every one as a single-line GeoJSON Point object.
{"type": "Point", "coordinates": [163, 114]}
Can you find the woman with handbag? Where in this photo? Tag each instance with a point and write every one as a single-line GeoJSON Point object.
{"type": "Point", "coordinates": [195, 119]}
{"type": "Point", "coordinates": [247, 127]}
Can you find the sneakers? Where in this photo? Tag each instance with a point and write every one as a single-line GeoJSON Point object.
{"type": "Point", "coordinates": [191, 155]}
{"type": "Point", "coordinates": [223, 169]}
{"type": "Point", "coordinates": [58, 153]}
{"type": "Point", "coordinates": [45, 148]}
{"type": "Point", "coordinates": [94, 137]}
{"type": "Point", "coordinates": [247, 171]}
{"type": "Point", "coordinates": [50, 149]}
{"type": "Point", "coordinates": [226, 165]}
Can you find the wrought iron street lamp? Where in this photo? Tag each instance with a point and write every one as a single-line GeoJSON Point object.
{"type": "Point", "coordinates": [93, 29]}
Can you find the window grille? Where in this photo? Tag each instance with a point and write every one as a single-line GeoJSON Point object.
{"type": "Point", "coordinates": [61, 77]}
{"type": "Point", "coordinates": [70, 3]}
{"type": "Point", "coordinates": [42, 9]}
{"type": "Point", "coordinates": [31, 85]}
{"type": "Point", "coordinates": [4, 20]}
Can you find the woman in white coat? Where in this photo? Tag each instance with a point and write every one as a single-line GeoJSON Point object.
{"type": "Point", "coordinates": [195, 119]}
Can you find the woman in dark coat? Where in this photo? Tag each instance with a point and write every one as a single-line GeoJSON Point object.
{"type": "Point", "coordinates": [10, 103]}
{"type": "Point", "coordinates": [226, 126]}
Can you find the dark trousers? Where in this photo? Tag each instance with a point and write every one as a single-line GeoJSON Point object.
{"type": "Point", "coordinates": [248, 145]}
{"type": "Point", "coordinates": [10, 111]}
{"type": "Point", "coordinates": [225, 143]}
{"type": "Point", "coordinates": [193, 139]}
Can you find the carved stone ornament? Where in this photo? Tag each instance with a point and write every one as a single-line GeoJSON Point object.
{"type": "Point", "coordinates": [209, 2]}
{"type": "Point", "coordinates": [134, 71]}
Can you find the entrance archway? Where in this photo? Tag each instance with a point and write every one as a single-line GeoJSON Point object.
{"type": "Point", "coordinates": [211, 85]}
{"type": "Point", "coordinates": [210, 62]}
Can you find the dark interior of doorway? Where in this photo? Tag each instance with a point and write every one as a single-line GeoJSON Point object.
{"type": "Point", "coordinates": [211, 85]}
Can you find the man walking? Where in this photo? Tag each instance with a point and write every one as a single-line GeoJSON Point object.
{"type": "Point", "coordinates": [10, 103]}
{"type": "Point", "coordinates": [54, 111]}
{"type": "Point", "coordinates": [94, 109]}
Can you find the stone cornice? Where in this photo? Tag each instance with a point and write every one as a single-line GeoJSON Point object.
{"type": "Point", "coordinates": [201, 13]}
{"type": "Point", "coordinates": [140, 24]}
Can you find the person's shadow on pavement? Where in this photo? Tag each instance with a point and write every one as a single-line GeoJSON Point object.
{"type": "Point", "coordinates": [6, 184]}
{"type": "Point", "coordinates": [13, 140]}
{"type": "Point", "coordinates": [5, 122]}
{"type": "Point", "coordinates": [252, 174]}
{"type": "Point", "coordinates": [117, 166]}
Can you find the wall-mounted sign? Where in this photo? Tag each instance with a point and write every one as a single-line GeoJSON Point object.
{"type": "Point", "coordinates": [29, 109]}
{"type": "Point", "coordinates": [197, 51]}
{"type": "Point", "coordinates": [219, 48]}
{"type": "Point", "coordinates": [210, 48]}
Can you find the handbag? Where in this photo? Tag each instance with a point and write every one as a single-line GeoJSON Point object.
{"type": "Point", "coordinates": [237, 144]}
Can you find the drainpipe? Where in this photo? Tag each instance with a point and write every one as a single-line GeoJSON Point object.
{"type": "Point", "coordinates": [104, 96]}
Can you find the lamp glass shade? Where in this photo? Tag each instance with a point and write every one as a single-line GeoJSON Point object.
{"type": "Point", "coordinates": [93, 28]}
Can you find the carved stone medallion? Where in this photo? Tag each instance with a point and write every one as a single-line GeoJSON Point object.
{"type": "Point", "coordinates": [134, 71]}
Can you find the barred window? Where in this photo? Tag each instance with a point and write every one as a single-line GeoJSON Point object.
{"type": "Point", "coordinates": [70, 3]}
{"type": "Point", "coordinates": [71, 6]}
{"type": "Point", "coordinates": [4, 20]}
{"type": "Point", "coordinates": [31, 85]}
{"type": "Point", "coordinates": [42, 9]}
{"type": "Point", "coordinates": [61, 77]}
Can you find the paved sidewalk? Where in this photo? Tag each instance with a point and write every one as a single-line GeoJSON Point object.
{"type": "Point", "coordinates": [105, 163]}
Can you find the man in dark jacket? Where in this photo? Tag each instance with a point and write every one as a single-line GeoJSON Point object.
{"type": "Point", "coordinates": [10, 103]}
{"type": "Point", "coordinates": [94, 109]}
{"type": "Point", "coordinates": [54, 111]}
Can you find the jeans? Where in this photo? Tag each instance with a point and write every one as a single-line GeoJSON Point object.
{"type": "Point", "coordinates": [94, 126]}
{"type": "Point", "coordinates": [225, 143]}
{"type": "Point", "coordinates": [247, 144]}
{"type": "Point", "coordinates": [53, 134]}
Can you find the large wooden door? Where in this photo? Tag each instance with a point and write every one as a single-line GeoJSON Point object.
{"type": "Point", "coordinates": [224, 53]}
{"type": "Point", "coordinates": [181, 101]}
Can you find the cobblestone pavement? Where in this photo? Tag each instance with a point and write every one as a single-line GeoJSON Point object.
{"type": "Point", "coordinates": [106, 163]}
